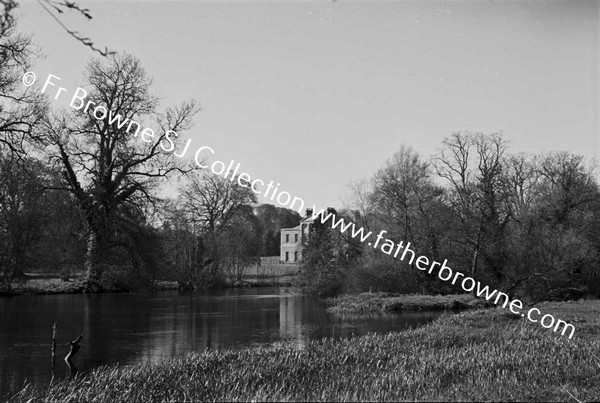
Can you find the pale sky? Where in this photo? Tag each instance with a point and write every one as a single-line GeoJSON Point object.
{"type": "Point", "coordinates": [316, 94]}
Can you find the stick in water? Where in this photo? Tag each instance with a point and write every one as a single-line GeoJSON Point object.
{"type": "Point", "coordinates": [69, 358]}
{"type": "Point", "coordinates": [53, 345]}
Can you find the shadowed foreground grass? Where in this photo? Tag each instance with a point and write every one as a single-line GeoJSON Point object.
{"type": "Point", "coordinates": [477, 355]}
{"type": "Point", "coordinates": [380, 302]}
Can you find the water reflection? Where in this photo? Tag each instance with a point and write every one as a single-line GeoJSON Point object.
{"type": "Point", "coordinates": [131, 328]}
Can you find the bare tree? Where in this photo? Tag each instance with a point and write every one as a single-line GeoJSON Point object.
{"type": "Point", "coordinates": [523, 184]}
{"type": "Point", "coordinates": [569, 184]}
{"type": "Point", "coordinates": [567, 214]}
{"type": "Point", "coordinates": [213, 202]}
{"type": "Point", "coordinates": [405, 196]}
{"type": "Point", "coordinates": [241, 243]}
{"type": "Point", "coordinates": [183, 244]}
{"type": "Point", "coordinates": [396, 186]}
{"type": "Point", "coordinates": [54, 8]}
{"type": "Point", "coordinates": [361, 202]}
{"type": "Point", "coordinates": [105, 166]}
{"type": "Point", "coordinates": [20, 108]}
{"type": "Point", "coordinates": [472, 163]}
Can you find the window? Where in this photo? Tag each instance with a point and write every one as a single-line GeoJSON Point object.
{"type": "Point", "coordinates": [287, 256]}
{"type": "Point", "coordinates": [296, 255]}
{"type": "Point", "coordinates": [296, 238]}
{"type": "Point", "coordinates": [287, 238]}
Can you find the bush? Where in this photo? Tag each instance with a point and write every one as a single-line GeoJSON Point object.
{"type": "Point", "coordinates": [322, 281]}
{"type": "Point", "coordinates": [125, 278]}
{"type": "Point", "coordinates": [381, 276]}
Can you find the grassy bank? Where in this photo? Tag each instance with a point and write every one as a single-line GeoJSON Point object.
{"type": "Point", "coordinates": [47, 285]}
{"type": "Point", "coordinates": [57, 286]}
{"type": "Point", "coordinates": [477, 355]}
{"type": "Point", "coordinates": [41, 285]}
{"type": "Point", "coordinates": [268, 273]}
{"type": "Point", "coordinates": [368, 303]}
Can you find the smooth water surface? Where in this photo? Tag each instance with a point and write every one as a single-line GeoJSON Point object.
{"type": "Point", "coordinates": [133, 328]}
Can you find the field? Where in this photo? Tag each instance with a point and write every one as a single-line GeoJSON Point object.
{"type": "Point", "coordinates": [480, 355]}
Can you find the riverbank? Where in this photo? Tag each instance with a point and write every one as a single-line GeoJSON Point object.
{"type": "Point", "coordinates": [379, 302]}
{"type": "Point", "coordinates": [44, 285]}
{"type": "Point", "coordinates": [269, 272]}
{"type": "Point", "coordinates": [474, 356]}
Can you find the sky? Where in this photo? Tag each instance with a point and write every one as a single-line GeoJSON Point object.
{"type": "Point", "coordinates": [316, 94]}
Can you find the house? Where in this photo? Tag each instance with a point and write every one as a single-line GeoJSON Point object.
{"type": "Point", "coordinates": [294, 239]}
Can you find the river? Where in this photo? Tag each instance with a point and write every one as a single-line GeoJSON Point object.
{"type": "Point", "coordinates": [136, 328]}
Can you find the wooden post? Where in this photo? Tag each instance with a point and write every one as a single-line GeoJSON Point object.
{"type": "Point", "coordinates": [69, 358]}
{"type": "Point", "coordinates": [53, 345]}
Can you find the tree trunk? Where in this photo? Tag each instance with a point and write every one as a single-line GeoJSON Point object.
{"type": "Point", "coordinates": [474, 262]}
{"type": "Point", "coordinates": [474, 267]}
{"type": "Point", "coordinates": [92, 267]}
{"type": "Point", "coordinates": [19, 258]}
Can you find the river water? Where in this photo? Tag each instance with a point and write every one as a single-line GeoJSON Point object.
{"type": "Point", "coordinates": [135, 328]}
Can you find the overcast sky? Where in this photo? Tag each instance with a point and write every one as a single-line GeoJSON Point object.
{"type": "Point", "coordinates": [316, 94]}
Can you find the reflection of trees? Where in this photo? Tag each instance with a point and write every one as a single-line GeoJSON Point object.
{"type": "Point", "coordinates": [213, 321]}
{"type": "Point", "coordinates": [290, 319]}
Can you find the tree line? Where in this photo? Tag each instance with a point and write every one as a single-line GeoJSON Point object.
{"type": "Point", "coordinates": [79, 194]}
{"type": "Point", "coordinates": [526, 224]}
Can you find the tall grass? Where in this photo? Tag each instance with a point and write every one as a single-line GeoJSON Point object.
{"type": "Point", "coordinates": [380, 302]}
{"type": "Point", "coordinates": [476, 356]}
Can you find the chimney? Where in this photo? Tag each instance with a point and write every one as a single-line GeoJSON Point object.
{"type": "Point", "coordinates": [309, 212]}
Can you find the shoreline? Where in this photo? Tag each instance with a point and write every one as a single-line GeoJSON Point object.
{"type": "Point", "coordinates": [55, 286]}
